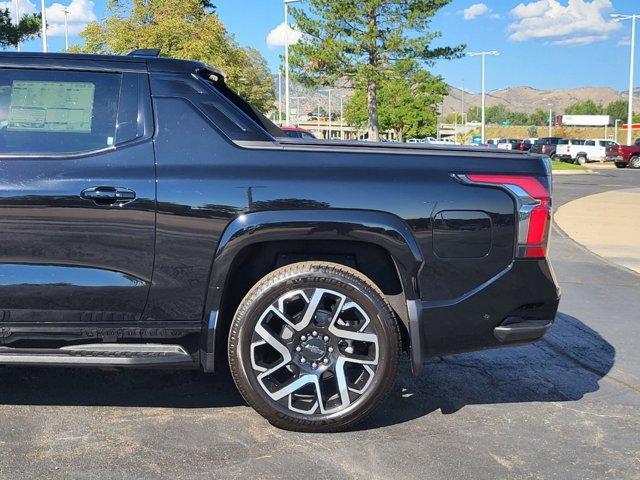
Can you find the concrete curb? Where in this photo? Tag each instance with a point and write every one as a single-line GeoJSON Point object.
{"type": "Point", "coordinates": [607, 224]}
{"type": "Point", "coordinates": [571, 172]}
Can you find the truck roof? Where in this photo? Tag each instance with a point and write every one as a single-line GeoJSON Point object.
{"type": "Point", "coordinates": [80, 60]}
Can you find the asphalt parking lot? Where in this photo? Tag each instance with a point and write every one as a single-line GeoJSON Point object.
{"type": "Point", "coordinates": [565, 407]}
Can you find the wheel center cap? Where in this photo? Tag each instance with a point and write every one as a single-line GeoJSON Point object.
{"type": "Point", "coordinates": [314, 349]}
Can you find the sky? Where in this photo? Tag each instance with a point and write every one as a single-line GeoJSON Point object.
{"type": "Point", "coordinates": [545, 44]}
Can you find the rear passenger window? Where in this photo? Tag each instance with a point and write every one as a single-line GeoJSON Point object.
{"type": "Point", "coordinates": [49, 112]}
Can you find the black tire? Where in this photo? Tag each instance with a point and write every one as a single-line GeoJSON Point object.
{"type": "Point", "coordinates": [620, 165]}
{"type": "Point", "coordinates": [554, 158]}
{"type": "Point", "coordinates": [634, 162]}
{"type": "Point", "coordinates": [300, 284]}
{"type": "Point", "coordinates": [581, 160]}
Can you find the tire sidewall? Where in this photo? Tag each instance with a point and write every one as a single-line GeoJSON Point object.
{"type": "Point", "coordinates": [258, 301]}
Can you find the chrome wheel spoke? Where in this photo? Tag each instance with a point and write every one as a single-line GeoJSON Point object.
{"type": "Point", "coordinates": [314, 351]}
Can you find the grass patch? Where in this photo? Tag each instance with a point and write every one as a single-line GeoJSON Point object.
{"type": "Point", "coordinates": [566, 166]}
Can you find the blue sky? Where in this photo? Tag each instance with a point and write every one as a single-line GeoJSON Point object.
{"type": "Point", "coordinates": [545, 44]}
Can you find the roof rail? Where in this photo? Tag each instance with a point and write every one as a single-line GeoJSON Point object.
{"type": "Point", "coordinates": [144, 52]}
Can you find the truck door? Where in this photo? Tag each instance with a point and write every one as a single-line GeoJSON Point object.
{"type": "Point", "coordinates": [77, 193]}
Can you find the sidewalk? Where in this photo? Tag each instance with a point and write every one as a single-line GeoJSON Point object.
{"type": "Point", "coordinates": [607, 223]}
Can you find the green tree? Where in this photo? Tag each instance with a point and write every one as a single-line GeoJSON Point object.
{"type": "Point", "coordinates": [12, 34]}
{"type": "Point", "coordinates": [588, 107]}
{"type": "Point", "coordinates": [539, 117]}
{"type": "Point", "coordinates": [407, 103]}
{"type": "Point", "coordinates": [188, 29]}
{"type": "Point", "coordinates": [618, 109]}
{"type": "Point", "coordinates": [363, 41]}
{"type": "Point", "coordinates": [532, 131]}
{"type": "Point", "coordinates": [453, 117]}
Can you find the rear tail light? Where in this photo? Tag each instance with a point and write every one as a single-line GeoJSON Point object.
{"type": "Point", "coordinates": [533, 201]}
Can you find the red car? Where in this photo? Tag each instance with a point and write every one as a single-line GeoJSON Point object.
{"type": "Point", "coordinates": [297, 132]}
{"type": "Point", "coordinates": [624, 155]}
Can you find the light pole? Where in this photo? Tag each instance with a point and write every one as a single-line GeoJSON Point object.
{"type": "Point", "coordinates": [45, 47]}
{"type": "Point", "coordinates": [17, 13]}
{"type": "Point", "coordinates": [287, 114]}
{"type": "Point", "coordinates": [550, 116]}
{"type": "Point", "coordinates": [618, 18]}
{"type": "Point", "coordinates": [297, 99]}
{"type": "Point", "coordinates": [328, 90]}
{"type": "Point", "coordinates": [464, 125]}
{"type": "Point", "coordinates": [66, 30]}
{"type": "Point", "coordinates": [483, 54]}
{"type": "Point", "coordinates": [342, 117]}
{"type": "Point", "coordinates": [616, 130]}
{"type": "Point", "coordinates": [279, 97]}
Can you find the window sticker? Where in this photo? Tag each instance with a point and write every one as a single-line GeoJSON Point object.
{"type": "Point", "coordinates": [51, 106]}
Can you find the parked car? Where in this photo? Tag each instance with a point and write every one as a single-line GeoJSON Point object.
{"type": "Point", "coordinates": [593, 150]}
{"type": "Point", "coordinates": [297, 132]}
{"type": "Point", "coordinates": [624, 155]}
{"type": "Point", "coordinates": [169, 224]}
{"type": "Point", "coordinates": [546, 146]}
{"type": "Point", "coordinates": [524, 145]}
{"type": "Point", "coordinates": [509, 144]}
{"type": "Point", "coordinates": [563, 149]}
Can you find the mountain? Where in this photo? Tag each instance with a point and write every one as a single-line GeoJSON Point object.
{"type": "Point", "coordinates": [518, 99]}
{"type": "Point", "coordinates": [528, 99]}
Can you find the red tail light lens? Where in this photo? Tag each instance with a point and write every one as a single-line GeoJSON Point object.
{"type": "Point", "coordinates": [534, 210]}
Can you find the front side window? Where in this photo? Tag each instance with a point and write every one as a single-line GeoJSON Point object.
{"type": "Point", "coordinates": [53, 112]}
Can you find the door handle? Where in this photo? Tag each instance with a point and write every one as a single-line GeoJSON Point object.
{"type": "Point", "coordinates": [108, 195]}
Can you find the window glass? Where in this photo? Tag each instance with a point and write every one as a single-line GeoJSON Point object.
{"type": "Point", "coordinates": [590, 143]}
{"type": "Point", "coordinates": [49, 112]}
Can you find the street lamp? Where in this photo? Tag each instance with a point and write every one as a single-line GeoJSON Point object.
{"type": "Point", "coordinates": [618, 18]}
{"type": "Point", "coordinates": [44, 26]}
{"type": "Point", "coordinates": [279, 97]}
{"type": "Point", "coordinates": [464, 125]}
{"type": "Point", "coordinates": [618, 121]}
{"type": "Point", "coordinates": [298, 109]}
{"type": "Point", "coordinates": [66, 30]}
{"type": "Point", "coordinates": [342, 117]}
{"type": "Point", "coordinates": [328, 90]}
{"type": "Point", "coordinates": [483, 54]}
{"type": "Point", "coordinates": [17, 13]}
{"type": "Point", "coordinates": [286, 60]}
{"type": "Point", "coordinates": [550, 105]}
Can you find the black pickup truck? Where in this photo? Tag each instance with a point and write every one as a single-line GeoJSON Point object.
{"type": "Point", "coordinates": [150, 217]}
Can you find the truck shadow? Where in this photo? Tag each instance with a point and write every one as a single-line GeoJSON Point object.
{"type": "Point", "coordinates": [564, 366]}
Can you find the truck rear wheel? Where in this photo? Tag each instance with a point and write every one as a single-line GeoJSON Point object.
{"type": "Point", "coordinates": [314, 347]}
{"type": "Point", "coordinates": [634, 162]}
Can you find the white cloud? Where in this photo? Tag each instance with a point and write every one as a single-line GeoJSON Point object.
{"type": "Point", "coordinates": [80, 13]}
{"type": "Point", "coordinates": [624, 42]}
{"type": "Point", "coordinates": [278, 35]}
{"type": "Point", "coordinates": [580, 40]}
{"type": "Point", "coordinates": [25, 7]}
{"type": "Point", "coordinates": [580, 22]}
{"type": "Point", "coordinates": [475, 10]}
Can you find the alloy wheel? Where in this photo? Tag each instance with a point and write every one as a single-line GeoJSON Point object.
{"type": "Point", "coordinates": [314, 351]}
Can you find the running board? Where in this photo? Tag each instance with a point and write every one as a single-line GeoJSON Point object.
{"type": "Point", "coordinates": [100, 355]}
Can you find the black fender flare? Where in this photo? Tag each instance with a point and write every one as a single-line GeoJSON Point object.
{"type": "Point", "coordinates": [380, 228]}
